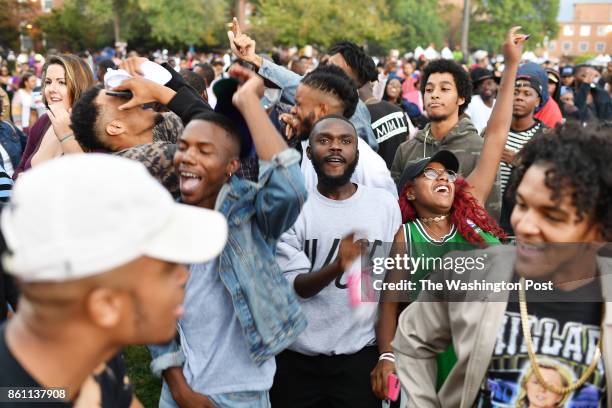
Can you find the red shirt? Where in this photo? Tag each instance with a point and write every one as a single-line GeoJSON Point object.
{"type": "Point", "coordinates": [550, 114]}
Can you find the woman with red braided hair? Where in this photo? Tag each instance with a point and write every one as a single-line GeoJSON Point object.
{"type": "Point", "coordinates": [443, 211]}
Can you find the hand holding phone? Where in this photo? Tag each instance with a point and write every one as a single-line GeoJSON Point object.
{"type": "Point", "coordinates": [393, 387]}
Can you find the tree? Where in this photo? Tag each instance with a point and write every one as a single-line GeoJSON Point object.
{"type": "Point", "coordinates": [491, 19]}
{"type": "Point", "coordinates": [13, 17]}
{"type": "Point", "coordinates": [420, 23]}
{"type": "Point", "coordinates": [322, 22]}
{"type": "Point", "coordinates": [72, 28]}
{"type": "Point", "coordinates": [82, 24]}
{"type": "Point", "coordinates": [187, 21]}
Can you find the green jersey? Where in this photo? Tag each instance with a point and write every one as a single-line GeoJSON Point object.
{"type": "Point", "coordinates": [420, 244]}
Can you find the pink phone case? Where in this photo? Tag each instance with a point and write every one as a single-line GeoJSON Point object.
{"type": "Point", "coordinates": [393, 387]}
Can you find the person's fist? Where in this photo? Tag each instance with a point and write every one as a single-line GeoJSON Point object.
{"type": "Point", "coordinates": [513, 47]}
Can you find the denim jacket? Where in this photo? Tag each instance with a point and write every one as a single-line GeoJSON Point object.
{"type": "Point", "coordinates": [13, 140]}
{"type": "Point", "coordinates": [289, 81]}
{"type": "Point", "coordinates": [263, 300]}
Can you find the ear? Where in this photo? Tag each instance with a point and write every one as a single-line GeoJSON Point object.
{"type": "Point", "coordinates": [460, 100]}
{"type": "Point", "coordinates": [321, 110]}
{"type": "Point", "coordinates": [410, 193]}
{"type": "Point", "coordinates": [104, 307]}
{"type": "Point", "coordinates": [233, 166]}
{"type": "Point", "coordinates": [309, 153]}
{"type": "Point", "coordinates": [115, 128]}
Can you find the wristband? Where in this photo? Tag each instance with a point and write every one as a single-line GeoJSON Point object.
{"type": "Point", "coordinates": [67, 137]}
{"type": "Point", "coordinates": [387, 356]}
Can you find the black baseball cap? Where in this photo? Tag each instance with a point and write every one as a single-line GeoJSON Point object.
{"type": "Point", "coordinates": [444, 157]}
{"type": "Point", "coordinates": [534, 83]}
{"type": "Point", "coordinates": [480, 74]}
{"type": "Point", "coordinates": [567, 71]}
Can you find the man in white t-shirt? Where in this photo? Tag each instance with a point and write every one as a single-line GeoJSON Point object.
{"type": "Point", "coordinates": [485, 91]}
{"type": "Point", "coordinates": [330, 362]}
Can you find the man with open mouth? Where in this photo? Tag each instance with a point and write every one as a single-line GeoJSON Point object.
{"type": "Point", "coordinates": [330, 363]}
{"type": "Point", "coordinates": [239, 311]}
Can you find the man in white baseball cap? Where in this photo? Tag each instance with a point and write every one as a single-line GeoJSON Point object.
{"type": "Point", "coordinates": [98, 247]}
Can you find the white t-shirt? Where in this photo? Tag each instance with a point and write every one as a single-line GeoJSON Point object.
{"type": "Point", "coordinates": [334, 327]}
{"type": "Point", "coordinates": [479, 112]}
{"type": "Point", "coordinates": [371, 170]}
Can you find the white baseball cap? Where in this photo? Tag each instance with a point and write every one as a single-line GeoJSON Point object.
{"type": "Point", "coordinates": [85, 214]}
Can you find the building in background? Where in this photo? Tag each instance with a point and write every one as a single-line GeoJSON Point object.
{"type": "Point", "coordinates": [585, 27]}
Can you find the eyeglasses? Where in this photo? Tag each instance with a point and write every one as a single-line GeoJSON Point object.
{"type": "Point", "coordinates": [433, 174]}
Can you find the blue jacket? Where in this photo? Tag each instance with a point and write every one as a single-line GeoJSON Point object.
{"type": "Point", "coordinates": [13, 140]}
{"type": "Point", "coordinates": [263, 300]}
{"type": "Point", "coordinates": [289, 81]}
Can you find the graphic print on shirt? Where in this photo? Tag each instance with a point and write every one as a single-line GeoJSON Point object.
{"type": "Point", "coordinates": [311, 247]}
{"type": "Point", "coordinates": [564, 353]}
{"type": "Point", "coordinates": [390, 125]}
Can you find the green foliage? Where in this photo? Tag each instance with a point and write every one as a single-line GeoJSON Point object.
{"type": "Point", "coordinates": [322, 22]}
{"type": "Point", "coordinates": [187, 21]}
{"type": "Point", "coordinates": [420, 22]}
{"type": "Point", "coordinates": [491, 19]}
{"type": "Point", "coordinates": [82, 24]}
{"type": "Point", "coordinates": [146, 386]}
{"type": "Point", "coordinates": [71, 28]}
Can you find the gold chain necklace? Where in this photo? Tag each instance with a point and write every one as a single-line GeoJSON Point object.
{"type": "Point", "coordinates": [532, 357]}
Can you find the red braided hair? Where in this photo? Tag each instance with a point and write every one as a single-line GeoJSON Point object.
{"type": "Point", "coordinates": [464, 208]}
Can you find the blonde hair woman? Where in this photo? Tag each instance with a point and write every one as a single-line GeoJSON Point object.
{"type": "Point", "coordinates": [65, 78]}
{"type": "Point", "coordinates": [533, 394]}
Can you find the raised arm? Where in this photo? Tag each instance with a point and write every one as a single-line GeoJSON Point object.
{"type": "Point", "coordinates": [243, 48]}
{"type": "Point", "coordinates": [483, 176]}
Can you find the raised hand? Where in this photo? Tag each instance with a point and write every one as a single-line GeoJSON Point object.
{"type": "Point", "coordinates": [251, 85]}
{"type": "Point", "coordinates": [132, 65]}
{"type": "Point", "coordinates": [144, 91]}
{"type": "Point", "coordinates": [513, 47]}
{"type": "Point", "coordinates": [242, 45]}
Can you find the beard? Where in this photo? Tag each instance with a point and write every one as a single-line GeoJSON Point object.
{"type": "Point", "coordinates": [438, 118]}
{"type": "Point", "coordinates": [306, 126]}
{"type": "Point", "coordinates": [334, 181]}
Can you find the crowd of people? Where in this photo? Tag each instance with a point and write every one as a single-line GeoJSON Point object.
{"type": "Point", "coordinates": [225, 211]}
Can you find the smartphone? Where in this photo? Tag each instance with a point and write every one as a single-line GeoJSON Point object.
{"type": "Point", "coordinates": [393, 387]}
{"type": "Point", "coordinates": [120, 94]}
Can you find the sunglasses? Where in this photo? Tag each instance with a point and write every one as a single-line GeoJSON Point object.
{"type": "Point", "coordinates": [433, 174]}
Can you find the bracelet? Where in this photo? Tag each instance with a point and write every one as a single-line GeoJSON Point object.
{"type": "Point", "coordinates": [67, 137]}
{"type": "Point", "coordinates": [387, 356]}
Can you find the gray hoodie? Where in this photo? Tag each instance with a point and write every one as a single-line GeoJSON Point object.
{"type": "Point", "coordinates": [463, 140]}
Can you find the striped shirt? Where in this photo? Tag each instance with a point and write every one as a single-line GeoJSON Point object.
{"type": "Point", "coordinates": [516, 141]}
{"type": "Point", "coordinates": [6, 184]}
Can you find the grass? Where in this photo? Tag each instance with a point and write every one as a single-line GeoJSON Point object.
{"type": "Point", "coordinates": [146, 386]}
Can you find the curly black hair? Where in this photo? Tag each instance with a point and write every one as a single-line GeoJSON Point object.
{"type": "Point", "coordinates": [333, 80]}
{"type": "Point", "coordinates": [84, 119]}
{"type": "Point", "coordinates": [579, 160]}
{"type": "Point", "coordinates": [361, 63]}
{"type": "Point", "coordinates": [461, 77]}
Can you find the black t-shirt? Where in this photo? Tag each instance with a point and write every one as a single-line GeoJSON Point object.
{"type": "Point", "coordinates": [565, 335]}
{"type": "Point", "coordinates": [390, 128]}
{"type": "Point", "coordinates": [115, 388]}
